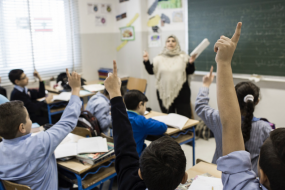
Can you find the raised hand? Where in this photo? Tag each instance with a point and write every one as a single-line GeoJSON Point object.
{"type": "Point", "coordinates": [145, 56]}
{"type": "Point", "coordinates": [74, 82]}
{"type": "Point", "coordinates": [225, 46]}
{"type": "Point", "coordinates": [113, 82]}
{"type": "Point", "coordinates": [192, 58]}
{"type": "Point", "coordinates": [37, 75]}
{"type": "Point", "coordinates": [208, 79]}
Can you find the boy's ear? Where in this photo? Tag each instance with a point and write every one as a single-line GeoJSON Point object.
{"type": "Point", "coordinates": [263, 177]}
{"type": "Point", "coordinates": [16, 81]}
{"type": "Point", "coordinates": [22, 129]}
{"type": "Point", "coordinates": [140, 174]}
{"type": "Point", "coordinates": [185, 178]}
{"type": "Point", "coordinates": [140, 104]}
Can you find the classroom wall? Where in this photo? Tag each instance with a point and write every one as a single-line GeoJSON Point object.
{"type": "Point", "coordinates": [98, 46]}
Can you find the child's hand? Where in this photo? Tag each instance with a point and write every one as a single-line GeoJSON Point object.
{"type": "Point", "coordinates": [192, 58]}
{"type": "Point", "coordinates": [225, 47]}
{"type": "Point", "coordinates": [74, 82]}
{"type": "Point", "coordinates": [37, 75]}
{"type": "Point", "coordinates": [208, 79]}
{"type": "Point", "coordinates": [145, 56]}
{"type": "Point", "coordinates": [113, 82]}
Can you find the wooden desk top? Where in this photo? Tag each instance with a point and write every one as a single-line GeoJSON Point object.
{"type": "Point", "coordinates": [171, 130]}
{"type": "Point", "coordinates": [203, 167]}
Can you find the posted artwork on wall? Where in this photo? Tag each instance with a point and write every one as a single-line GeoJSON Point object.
{"type": "Point", "coordinates": [169, 4]}
{"type": "Point", "coordinates": [106, 8]}
{"type": "Point", "coordinates": [100, 20]}
{"type": "Point", "coordinates": [177, 16]}
{"type": "Point", "coordinates": [154, 40]}
{"type": "Point", "coordinates": [121, 16]}
{"type": "Point", "coordinates": [127, 33]}
{"type": "Point", "coordinates": [92, 8]}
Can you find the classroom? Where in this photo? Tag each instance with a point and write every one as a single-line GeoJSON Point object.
{"type": "Point", "coordinates": [142, 94]}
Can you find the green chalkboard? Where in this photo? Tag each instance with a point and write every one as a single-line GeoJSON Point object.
{"type": "Point", "coordinates": [261, 48]}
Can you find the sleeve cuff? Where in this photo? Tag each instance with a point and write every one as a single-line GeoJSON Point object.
{"type": "Point", "coordinates": [74, 98]}
{"type": "Point", "coordinates": [116, 100]}
{"type": "Point", "coordinates": [235, 162]}
{"type": "Point", "coordinates": [204, 90]}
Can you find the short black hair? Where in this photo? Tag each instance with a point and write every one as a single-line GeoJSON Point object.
{"type": "Point", "coordinates": [272, 159]}
{"type": "Point", "coordinates": [132, 99]}
{"type": "Point", "coordinates": [12, 114]}
{"type": "Point", "coordinates": [15, 74]}
{"type": "Point", "coordinates": [163, 164]}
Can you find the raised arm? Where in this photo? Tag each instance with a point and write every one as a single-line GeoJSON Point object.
{"type": "Point", "coordinates": [227, 99]}
{"type": "Point", "coordinates": [127, 159]}
{"type": "Point", "coordinates": [148, 66]}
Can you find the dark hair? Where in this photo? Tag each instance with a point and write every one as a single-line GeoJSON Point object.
{"type": "Point", "coordinates": [12, 114]}
{"type": "Point", "coordinates": [243, 89]}
{"type": "Point", "coordinates": [272, 159]}
{"type": "Point", "coordinates": [163, 164]}
{"type": "Point", "coordinates": [132, 99]}
{"type": "Point", "coordinates": [15, 74]}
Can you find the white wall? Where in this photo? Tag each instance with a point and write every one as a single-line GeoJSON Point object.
{"type": "Point", "coordinates": [98, 45]}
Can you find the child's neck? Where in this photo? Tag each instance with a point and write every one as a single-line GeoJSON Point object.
{"type": "Point", "coordinates": [21, 86]}
{"type": "Point", "coordinates": [137, 111]}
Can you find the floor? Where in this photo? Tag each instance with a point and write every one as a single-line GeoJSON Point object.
{"type": "Point", "coordinates": [204, 150]}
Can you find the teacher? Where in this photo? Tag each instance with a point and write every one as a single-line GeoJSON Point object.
{"type": "Point", "coordinates": [171, 68]}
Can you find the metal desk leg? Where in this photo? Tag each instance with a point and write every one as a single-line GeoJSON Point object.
{"type": "Point", "coordinates": [1, 186]}
{"type": "Point", "coordinates": [79, 181]}
{"type": "Point", "coordinates": [111, 183]}
{"type": "Point", "coordinates": [49, 114]}
{"type": "Point", "coordinates": [101, 186]}
{"type": "Point", "coordinates": [193, 146]}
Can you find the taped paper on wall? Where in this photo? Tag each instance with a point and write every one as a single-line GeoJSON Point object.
{"type": "Point", "coordinates": [92, 8]}
{"type": "Point", "coordinates": [177, 16]}
{"type": "Point", "coordinates": [200, 48]}
{"type": "Point", "coordinates": [153, 21]}
{"type": "Point", "coordinates": [100, 21]}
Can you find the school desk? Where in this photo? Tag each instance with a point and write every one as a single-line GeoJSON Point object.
{"type": "Point", "coordinates": [202, 168]}
{"type": "Point", "coordinates": [87, 176]}
{"type": "Point", "coordinates": [187, 134]}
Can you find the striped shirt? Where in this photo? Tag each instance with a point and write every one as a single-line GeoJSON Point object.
{"type": "Point", "coordinates": [259, 131]}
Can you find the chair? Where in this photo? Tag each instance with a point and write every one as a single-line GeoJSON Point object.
{"type": "Point", "coordinates": [136, 84]}
{"type": "Point", "coordinates": [12, 186]}
{"type": "Point", "coordinates": [200, 160]}
{"type": "Point", "coordinates": [81, 132]}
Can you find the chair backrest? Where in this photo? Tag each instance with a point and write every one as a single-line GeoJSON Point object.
{"type": "Point", "coordinates": [13, 186]}
{"type": "Point", "coordinates": [109, 139]}
{"type": "Point", "coordinates": [136, 84]}
{"type": "Point", "coordinates": [84, 132]}
{"type": "Point", "coordinates": [200, 160]}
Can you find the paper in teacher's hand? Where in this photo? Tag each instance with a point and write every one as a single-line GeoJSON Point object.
{"type": "Point", "coordinates": [200, 48]}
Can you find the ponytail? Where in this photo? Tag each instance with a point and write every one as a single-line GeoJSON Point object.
{"type": "Point", "coordinates": [246, 124]}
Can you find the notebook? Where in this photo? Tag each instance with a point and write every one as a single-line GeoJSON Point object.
{"type": "Point", "coordinates": [64, 96]}
{"type": "Point", "coordinates": [172, 120]}
{"type": "Point", "coordinates": [94, 87]}
{"type": "Point", "coordinates": [206, 183]}
{"type": "Point", "coordinates": [85, 145]}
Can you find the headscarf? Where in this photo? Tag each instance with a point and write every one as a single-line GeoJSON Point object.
{"type": "Point", "coordinates": [175, 51]}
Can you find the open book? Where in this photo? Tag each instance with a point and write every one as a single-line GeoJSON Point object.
{"type": "Point", "coordinates": [200, 48]}
{"type": "Point", "coordinates": [85, 145]}
{"type": "Point", "coordinates": [202, 182]}
{"type": "Point", "coordinates": [64, 96]}
{"type": "Point", "coordinates": [94, 87]}
{"type": "Point", "coordinates": [172, 120]}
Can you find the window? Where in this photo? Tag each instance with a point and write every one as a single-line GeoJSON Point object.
{"type": "Point", "coordinates": [39, 34]}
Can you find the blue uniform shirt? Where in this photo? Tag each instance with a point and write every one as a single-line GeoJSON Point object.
{"type": "Point", "coordinates": [143, 127]}
{"type": "Point", "coordinates": [29, 160]}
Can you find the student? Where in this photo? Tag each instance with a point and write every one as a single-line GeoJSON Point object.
{"type": "Point", "coordinates": [161, 165]}
{"type": "Point", "coordinates": [28, 96]}
{"type": "Point", "coordinates": [29, 160]}
{"type": "Point", "coordinates": [235, 163]}
{"type": "Point", "coordinates": [254, 131]}
{"type": "Point", "coordinates": [135, 102]}
{"type": "Point", "coordinates": [99, 106]}
{"type": "Point", "coordinates": [3, 99]}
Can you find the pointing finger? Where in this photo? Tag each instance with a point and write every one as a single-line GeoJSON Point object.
{"type": "Point", "coordinates": [236, 35]}
{"type": "Point", "coordinates": [114, 68]}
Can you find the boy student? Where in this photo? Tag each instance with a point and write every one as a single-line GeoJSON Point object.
{"type": "Point", "coordinates": [135, 102]}
{"type": "Point", "coordinates": [254, 131]}
{"type": "Point", "coordinates": [161, 165]}
{"type": "Point", "coordinates": [27, 96]}
{"type": "Point", "coordinates": [29, 160]}
{"type": "Point", "coordinates": [235, 164]}
{"type": "Point", "coordinates": [99, 107]}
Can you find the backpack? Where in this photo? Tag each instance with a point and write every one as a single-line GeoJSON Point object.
{"type": "Point", "coordinates": [63, 78]}
{"type": "Point", "coordinates": [88, 121]}
{"type": "Point", "coordinates": [202, 131]}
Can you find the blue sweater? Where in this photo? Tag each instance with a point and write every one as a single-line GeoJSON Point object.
{"type": "Point", "coordinates": [143, 127]}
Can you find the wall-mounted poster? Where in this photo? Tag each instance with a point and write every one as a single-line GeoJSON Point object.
{"type": "Point", "coordinates": [100, 20]}
{"type": "Point", "coordinates": [154, 40]}
{"type": "Point", "coordinates": [169, 4]}
{"type": "Point", "coordinates": [106, 8]}
{"type": "Point", "coordinates": [92, 8]}
{"type": "Point", "coordinates": [127, 33]}
{"type": "Point", "coordinates": [123, 0]}
{"type": "Point", "coordinates": [177, 16]}
{"type": "Point", "coordinates": [121, 16]}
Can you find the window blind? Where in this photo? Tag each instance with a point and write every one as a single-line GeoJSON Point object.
{"type": "Point", "coordinates": [39, 34]}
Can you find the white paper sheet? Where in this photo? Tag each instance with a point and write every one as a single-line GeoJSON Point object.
{"type": "Point", "coordinates": [161, 118]}
{"type": "Point", "coordinates": [65, 150]}
{"type": "Point", "coordinates": [176, 120]}
{"type": "Point", "coordinates": [206, 183]}
{"type": "Point", "coordinates": [64, 96]}
{"type": "Point", "coordinates": [94, 87]}
{"type": "Point", "coordinates": [92, 145]}
{"type": "Point", "coordinates": [200, 48]}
